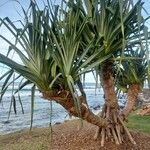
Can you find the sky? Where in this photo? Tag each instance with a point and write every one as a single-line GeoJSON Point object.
{"type": "Point", "coordinates": [12, 9]}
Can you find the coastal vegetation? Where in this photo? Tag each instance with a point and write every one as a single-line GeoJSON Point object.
{"type": "Point", "coordinates": [59, 44]}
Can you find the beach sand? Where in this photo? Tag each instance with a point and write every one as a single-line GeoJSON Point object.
{"type": "Point", "coordinates": [66, 136]}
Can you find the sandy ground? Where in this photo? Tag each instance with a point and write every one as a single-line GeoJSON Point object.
{"type": "Point", "coordinates": [66, 136]}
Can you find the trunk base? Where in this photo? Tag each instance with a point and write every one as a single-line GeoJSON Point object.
{"type": "Point", "coordinates": [116, 131]}
{"type": "Point", "coordinates": [82, 112]}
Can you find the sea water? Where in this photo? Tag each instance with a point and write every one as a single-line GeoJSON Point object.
{"type": "Point", "coordinates": [42, 110]}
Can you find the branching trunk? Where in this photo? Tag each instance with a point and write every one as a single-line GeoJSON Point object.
{"type": "Point", "coordinates": [65, 99]}
{"type": "Point", "coordinates": [117, 130]}
{"type": "Point", "coordinates": [132, 96]}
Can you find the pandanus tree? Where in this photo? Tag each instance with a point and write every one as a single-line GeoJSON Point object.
{"type": "Point", "coordinates": [59, 44]}
{"type": "Point", "coordinates": [116, 25]}
{"type": "Point", "coordinates": [131, 77]}
{"type": "Point", "coordinates": [48, 45]}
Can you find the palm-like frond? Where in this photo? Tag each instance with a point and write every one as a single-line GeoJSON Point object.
{"type": "Point", "coordinates": [115, 24]}
{"type": "Point", "coordinates": [51, 45]}
{"type": "Point", "coordinates": [132, 71]}
{"type": "Point", "coordinates": [31, 47]}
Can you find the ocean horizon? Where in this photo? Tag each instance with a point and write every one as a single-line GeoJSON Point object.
{"type": "Point", "coordinates": [42, 109]}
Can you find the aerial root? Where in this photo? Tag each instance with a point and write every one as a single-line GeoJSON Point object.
{"type": "Point", "coordinates": [116, 131]}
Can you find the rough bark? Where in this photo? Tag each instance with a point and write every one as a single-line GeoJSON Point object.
{"type": "Point", "coordinates": [132, 96]}
{"type": "Point", "coordinates": [117, 130]}
{"type": "Point", "coordinates": [65, 99]}
{"type": "Point", "coordinates": [108, 85]}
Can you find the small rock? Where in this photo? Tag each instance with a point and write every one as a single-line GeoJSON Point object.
{"type": "Point", "coordinates": [96, 107]}
{"type": "Point", "coordinates": [6, 122]}
{"type": "Point", "coordinates": [57, 123]}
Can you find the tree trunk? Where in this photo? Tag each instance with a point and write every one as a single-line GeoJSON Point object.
{"type": "Point", "coordinates": [132, 96]}
{"type": "Point", "coordinates": [65, 99]}
{"type": "Point", "coordinates": [116, 131]}
{"type": "Point", "coordinates": [108, 86]}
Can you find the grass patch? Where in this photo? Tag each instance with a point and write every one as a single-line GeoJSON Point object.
{"type": "Point", "coordinates": [139, 123]}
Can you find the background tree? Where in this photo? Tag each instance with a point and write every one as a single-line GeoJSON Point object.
{"type": "Point", "coordinates": [132, 76]}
